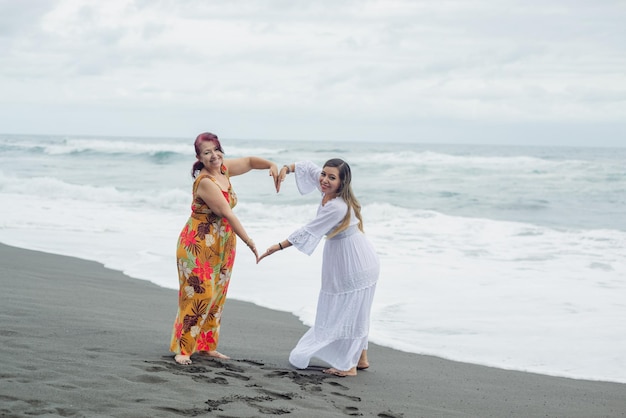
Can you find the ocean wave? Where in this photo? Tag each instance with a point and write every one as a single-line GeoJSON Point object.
{"type": "Point", "coordinates": [159, 150]}
{"type": "Point", "coordinates": [72, 146]}
{"type": "Point", "coordinates": [163, 157]}
{"type": "Point", "coordinates": [47, 189]}
{"type": "Point", "coordinates": [531, 166]}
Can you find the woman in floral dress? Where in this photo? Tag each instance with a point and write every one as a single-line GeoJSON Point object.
{"type": "Point", "coordinates": [206, 248]}
{"type": "Point", "coordinates": [350, 269]}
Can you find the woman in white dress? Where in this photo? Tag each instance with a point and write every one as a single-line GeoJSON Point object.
{"type": "Point", "coordinates": [350, 270]}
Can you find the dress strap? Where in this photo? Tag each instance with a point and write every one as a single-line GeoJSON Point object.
{"type": "Point", "coordinates": [200, 177]}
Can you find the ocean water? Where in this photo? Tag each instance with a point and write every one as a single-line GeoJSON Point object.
{"type": "Point", "coordinates": [513, 257]}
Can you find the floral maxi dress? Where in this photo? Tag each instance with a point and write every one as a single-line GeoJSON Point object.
{"type": "Point", "coordinates": [205, 255]}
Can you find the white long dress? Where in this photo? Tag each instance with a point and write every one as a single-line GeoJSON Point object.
{"type": "Point", "coordinates": [350, 269]}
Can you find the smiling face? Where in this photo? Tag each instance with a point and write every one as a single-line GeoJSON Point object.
{"type": "Point", "coordinates": [330, 181]}
{"type": "Point", "coordinates": [210, 155]}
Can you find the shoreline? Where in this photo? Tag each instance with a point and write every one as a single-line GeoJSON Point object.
{"type": "Point", "coordinates": [77, 339]}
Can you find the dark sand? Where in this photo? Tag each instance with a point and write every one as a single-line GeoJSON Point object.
{"type": "Point", "coordinates": [79, 340]}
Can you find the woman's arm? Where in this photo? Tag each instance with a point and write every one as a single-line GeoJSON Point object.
{"type": "Point", "coordinates": [238, 166]}
{"type": "Point", "coordinates": [211, 194]}
{"type": "Point", "coordinates": [307, 175]}
{"type": "Point", "coordinates": [276, 247]}
{"type": "Point", "coordinates": [287, 168]}
{"type": "Point", "coordinates": [308, 237]}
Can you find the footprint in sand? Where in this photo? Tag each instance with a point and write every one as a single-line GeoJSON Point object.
{"type": "Point", "coordinates": [278, 373]}
{"type": "Point", "coordinates": [252, 401]}
{"type": "Point", "coordinates": [389, 414]}
{"type": "Point", "coordinates": [207, 379]}
{"type": "Point", "coordinates": [192, 412]}
{"type": "Point", "coordinates": [148, 379]}
{"type": "Point", "coordinates": [352, 398]}
{"type": "Point", "coordinates": [353, 411]}
{"type": "Point", "coordinates": [253, 362]}
{"type": "Point", "coordinates": [235, 375]}
{"type": "Point", "coordinates": [337, 385]}
{"type": "Point", "coordinates": [277, 395]}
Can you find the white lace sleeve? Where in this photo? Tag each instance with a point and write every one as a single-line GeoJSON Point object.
{"type": "Point", "coordinates": [307, 176]}
{"type": "Point", "coordinates": [304, 241]}
{"type": "Point", "coordinates": [328, 217]}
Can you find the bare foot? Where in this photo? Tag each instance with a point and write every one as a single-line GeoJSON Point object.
{"type": "Point", "coordinates": [363, 362]}
{"type": "Point", "coordinates": [362, 365]}
{"type": "Point", "coordinates": [340, 373]}
{"type": "Point", "coordinates": [182, 359]}
{"type": "Point", "coordinates": [215, 354]}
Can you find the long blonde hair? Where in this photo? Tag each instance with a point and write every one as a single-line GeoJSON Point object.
{"type": "Point", "coordinates": [346, 193]}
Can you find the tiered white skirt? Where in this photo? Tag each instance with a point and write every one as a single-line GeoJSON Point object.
{"type": "Point", "coordinates": [349, 273]}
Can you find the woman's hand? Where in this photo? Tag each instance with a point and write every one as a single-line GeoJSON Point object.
{"type": "Point", "coordinates": [271, 250]}
{"type": "Point", "coordinates": [274, 172]}
{"type": "Point", "coordinates": [252, 247]}
{"type": "Point", "coordinates": [282, 173]}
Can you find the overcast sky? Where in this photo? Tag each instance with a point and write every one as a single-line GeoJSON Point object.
{"type": "Point", "coordinates": [465, 71]}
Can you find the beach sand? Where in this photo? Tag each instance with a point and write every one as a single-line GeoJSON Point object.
{"type": "Point", "coordinates": [77, 340]}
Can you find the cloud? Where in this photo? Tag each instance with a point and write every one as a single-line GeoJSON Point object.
{"type": "Point", "coordinates": [382, 63]}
